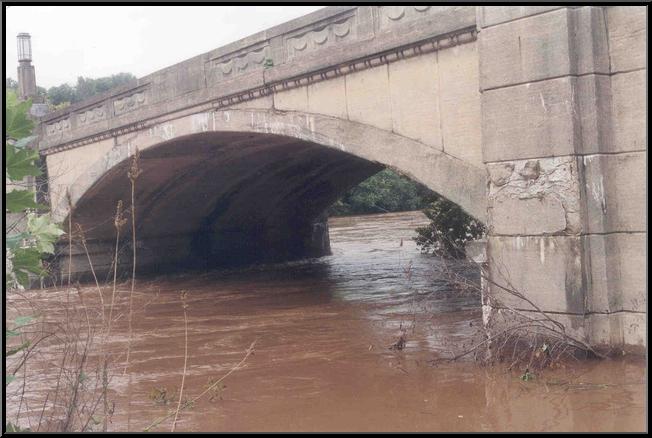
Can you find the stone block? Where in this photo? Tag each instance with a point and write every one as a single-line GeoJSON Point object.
{"type": "Point", "coordinates": [368, 97]}
{"type": "Point", "coordinates": [492, 15]}
{"type": "Point", "coordinates": [557, 43]}
{"type": "Point", "coordinates": [414, 92]}
{"type": "Point", "coordinates": [615, 192]}
{"type": "Point", "coordinates": [629, 92]}
{"type": "Point", "coordinates": [529, 121]}
{"type": "Point", "coordinates": [617, 332]}
{"type": "Point", "coordinates": [618, 272]}
{"type": "Point", "coordinates": [586, 114]}
{"type": "Point", "coordinates": [460, 102]}
{"type": "Point", "coordinates": [295, 99]}
{"type": "Point", "coordinates": [547, 270]}
{"type": "Point", "coordinates": [328, 98]}
{"type": "Point", "coordinates": [545, 215]}
{"type": "Point", "coordinates": [627, 30]}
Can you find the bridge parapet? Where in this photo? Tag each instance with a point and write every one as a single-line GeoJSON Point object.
{"type": "Point", "coordinates": [331, 42]}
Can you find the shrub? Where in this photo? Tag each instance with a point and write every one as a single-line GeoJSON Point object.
{"type": "Point", "coordinates": [449, 230]}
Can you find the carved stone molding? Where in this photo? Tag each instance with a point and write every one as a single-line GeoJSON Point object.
{"type": "Point", "coordinates": [129, 103]}
{"type": "Point", "coordinates": [91, 116]}
{"type": "Point", "coordinates": [390, 16]}
{"type": "Point", "coordinates": [242, 61]}
{"type": "Point", "coordinates": [58, 127]}
{"type": "Point", "coordinates": [322, 36]}
{"type": "Point", "coordinates": [396, 54]}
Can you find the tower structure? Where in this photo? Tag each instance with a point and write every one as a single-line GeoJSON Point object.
{"type": "Point", "coordinates": [26, 73]}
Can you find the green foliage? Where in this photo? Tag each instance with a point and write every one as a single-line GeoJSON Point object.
{"type": "Point", "coordinates": [20, 200]}
{"type": "Point", "coordinates": [11, 84]}
{"type": "Point", "coordinates": [449, 230]}
{"type": "Point", "coordinates": [20, 162]}
{"type": "Point", "coordinates": [17, 121]}
{"type": "Point", "coordinates": [24, 250]}
{"type": "Point", "coordinates": [63, 95]}
{"type": "Point", "coordinates": [384, 192]}
{"type": "Point", "coordinates": [44, 232]}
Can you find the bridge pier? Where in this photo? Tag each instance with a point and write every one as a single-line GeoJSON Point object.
{"type": "Point", "coordinates": [551, 118]}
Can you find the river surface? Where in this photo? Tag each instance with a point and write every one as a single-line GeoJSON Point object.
{"type": "Point", "coordinates": [342, 343]}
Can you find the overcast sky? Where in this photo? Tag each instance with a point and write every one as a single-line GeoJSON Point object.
{"type": "Point", "coordinates": [95, 41]}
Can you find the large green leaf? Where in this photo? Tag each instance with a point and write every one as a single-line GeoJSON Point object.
{"type": "Point", "coordinates": [20, 163]}
{"type": "Point", "coordinates": [22, 277]}
{"type": "Point", "coordinates": [26, 260]}
{"type": "Point", "coordinates": [20, 200]}
{"type": "Point", "coordinates": [45, 231]}
{"type": "Point", "coordinates": [17, 121]}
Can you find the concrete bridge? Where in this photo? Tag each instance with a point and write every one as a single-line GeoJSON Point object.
{"type": "Point", "coordinates": [532, 119]}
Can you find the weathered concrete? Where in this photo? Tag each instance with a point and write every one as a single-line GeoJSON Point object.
{"type": "Point", "coordinates": [564, 144]}
{"type": "Point", "coordinates": [530, 118]}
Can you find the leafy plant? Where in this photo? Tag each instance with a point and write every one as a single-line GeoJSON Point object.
{"type": "Point", "coordinates": [24, 249]}
{"type": "Point", "coordinates": [449, 230]}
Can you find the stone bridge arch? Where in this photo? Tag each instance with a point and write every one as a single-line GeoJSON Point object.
{"type": "Point", "coordinates": [249, 182]}
{"type": "Point", "coordinates": [549, 101]}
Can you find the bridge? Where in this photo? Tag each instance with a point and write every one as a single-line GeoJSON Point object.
{"type": "Point", "coordinates": [532, 119]}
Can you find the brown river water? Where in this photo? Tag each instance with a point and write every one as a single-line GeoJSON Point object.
{"type": "Point", "coordinates": [322, 361]}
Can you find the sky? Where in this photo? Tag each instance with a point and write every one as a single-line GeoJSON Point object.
{"type": "Point", "coordinates": [96, 41]}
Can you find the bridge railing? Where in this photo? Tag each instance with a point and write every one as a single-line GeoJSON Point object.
{"type": "Point", "coordinates": [319, 46]}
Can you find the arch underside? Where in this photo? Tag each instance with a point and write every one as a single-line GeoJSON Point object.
{"type": "Point", "coordinates": [253, 187]}
{"type": "Point", "coordinates": [217, 199]}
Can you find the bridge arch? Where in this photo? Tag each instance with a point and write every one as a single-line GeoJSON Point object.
{"type": "Point", "coordinates": [252, 182]}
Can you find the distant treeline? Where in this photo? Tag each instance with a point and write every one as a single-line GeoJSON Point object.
{"type": "Point", "coordinates": [64, 95]}
{"type": "Point", "coordinates": [386, 191]}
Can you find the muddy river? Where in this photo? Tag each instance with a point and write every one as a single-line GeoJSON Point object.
{"type": "Point", "coordinates": [342, 343]}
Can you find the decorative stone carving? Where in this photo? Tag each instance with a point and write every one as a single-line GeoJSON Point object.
{"type": "Point", "coordinates": [130, 102]}
{"type": "Point", "coordinates": [91, 116]}
{"type": "Point", "coordinates": [58, 127]}
{"type": "Point", "coordinates": [238, 62]}
{"type": "Point", "coordinates": [388, 16]}
{"type": "Point", "coordinates": [321, 36]}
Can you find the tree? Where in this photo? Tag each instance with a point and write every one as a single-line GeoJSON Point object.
{"type": "Point", "coordinates": [11, 84]}
{"type": "Point", "coordinates": [449, 230]}
{"type": "Point", "coordinates": [384, 192]}
{"type": "Point", "coordinates": [85, 88]}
